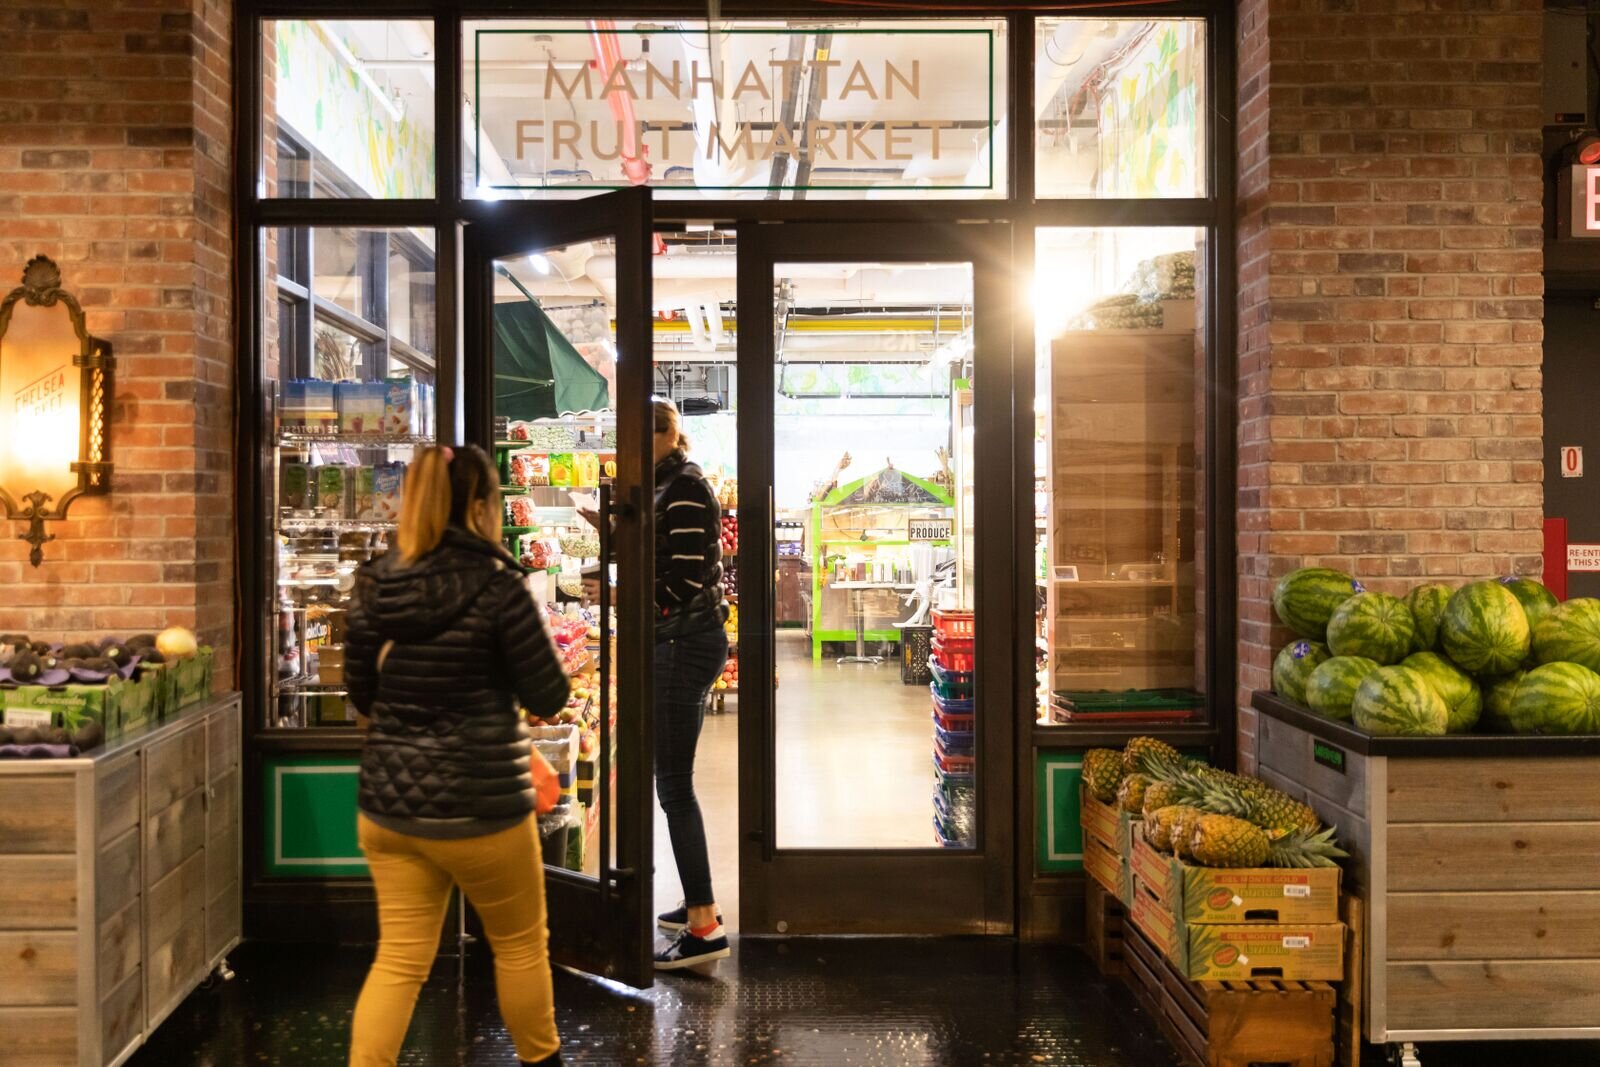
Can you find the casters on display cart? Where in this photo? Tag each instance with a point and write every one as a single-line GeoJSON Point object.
{"type": "Point", "coordinates": [1405, 1055]}
{"type": "Point", "coordinates": [219, 974]}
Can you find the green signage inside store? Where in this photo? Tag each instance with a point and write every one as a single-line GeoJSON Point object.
{"type": "Point", "coordinates": [311, 818]}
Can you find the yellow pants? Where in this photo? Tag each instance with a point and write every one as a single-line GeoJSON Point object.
{"type": "Point", "coordinates": [503, 876]}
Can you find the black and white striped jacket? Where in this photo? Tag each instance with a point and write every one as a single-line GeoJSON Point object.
{"type": "Point", "coordinates": [688, 550]}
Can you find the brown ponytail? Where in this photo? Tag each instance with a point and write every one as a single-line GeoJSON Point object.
{"type": "Point", "coordinates": [666, 419]}
{"type": "Point", "coordinates": [440, 490]}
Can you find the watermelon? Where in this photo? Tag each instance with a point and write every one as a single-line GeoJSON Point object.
{"type": "Point", "coordinates": [1485, 631]}
{"type": "Point", "coordinates": [1305, 599]}
{"type": "Point", "coordinates": [1294, 665]}
{"type": "Point", "coordinates": [1570, 633]}
{"type": "Point", "coordinates": [1427, 608]}
{"type": "Point", "coordinates": [1332, 686]}
{"type": "Point", "coordinates": [1557, 698]}
{"type": "Point", "coordinates": [1459, 692]}
{"type": "Point", "coordinates": [1497, 694]}
{"type": "Point", "coordinates": [1399, 701]}
{"type": "Point", "coordinates": [1536, 600]}
{"type": "Point", "coordinates": [1376, 626]}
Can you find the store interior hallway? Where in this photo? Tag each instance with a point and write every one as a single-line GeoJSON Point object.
{"type": "Point", "coordinates": [833, 720]}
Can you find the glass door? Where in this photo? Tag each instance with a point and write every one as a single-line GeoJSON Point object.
{"type": "Point", "coordinates": [557, 377]}
{"type": "Point", "coordinates": [874, 406]}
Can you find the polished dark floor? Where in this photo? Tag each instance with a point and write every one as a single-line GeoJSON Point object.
{"type": "Point", "coordinates": [839, 1002]}
{"type": "Point", "coordinates": [897, 1003]}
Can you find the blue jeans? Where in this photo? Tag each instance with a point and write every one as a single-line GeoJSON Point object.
{"type": "Point", "coordinates": [685, 669]}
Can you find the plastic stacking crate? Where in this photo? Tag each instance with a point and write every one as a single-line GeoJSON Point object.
{"type": "Point", "coordinates": [949, 706]}
{"type": "Point", "coordinates": [952, 724]}
{"type": "Point", "coordinates": [953, 821]}
{"type": "Point", "coordinates": [953, 624]}
{"type": "Point", "coordinates": [955, 655]}
{"type": "Point", "coordinates": [955, 786]}
{"type": "Point", "coordinates": [948, 684]}
{"type": "Point", "coordinates": [916, 645]}
{"type": "Point", "coordinates": [953, 742]}
{"type": "Point", "coordinates": [953, 761]}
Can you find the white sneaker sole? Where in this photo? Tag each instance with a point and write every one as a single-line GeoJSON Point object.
{"type": "Point", "coordinates": [706, 964]}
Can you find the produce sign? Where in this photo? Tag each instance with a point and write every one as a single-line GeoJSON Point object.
{"type": "Point", "coordinates": [930, 529]}
{"type": "Point", "coordinates": [1491, 656]}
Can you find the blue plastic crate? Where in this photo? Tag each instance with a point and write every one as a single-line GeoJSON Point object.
{"type": "Point", "coordinates": [954, 743]}
{"type": "Point", "coordinates": [951, 706]}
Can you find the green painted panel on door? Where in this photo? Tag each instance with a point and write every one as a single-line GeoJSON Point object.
{"type": "Point", "coordinates": [311, 817]}
{"type": "Point", "coordinates": [1060, 837]}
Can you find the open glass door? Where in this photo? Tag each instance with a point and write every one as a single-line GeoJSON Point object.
{"type": "Point", "coordinates": [875, 385]}
{"type": "Point", "coordinates": [557, 376]}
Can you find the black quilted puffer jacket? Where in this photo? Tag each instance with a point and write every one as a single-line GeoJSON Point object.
{"type": "Point", "coordinates": [446, 755]}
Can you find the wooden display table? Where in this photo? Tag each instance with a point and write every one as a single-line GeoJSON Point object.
{"type": "Point", "coordinates": [1479, 860]}
{"type": "Point", "coordinates": [122, 881]}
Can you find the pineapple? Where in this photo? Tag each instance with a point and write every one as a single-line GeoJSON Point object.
{"type": "Point", "coordinates": [1181, 835]}
{"type": "Point", "coordinates": [1276, 810]}
{"type": "Point", "coordinates": [1130, 794]}
{"type": "Point", "coordinates": [1161, 795]}
{"type": "Point", "coordinates": [1224, 841]}
{"type": "Point", "coordinates": [1159, 823]}
{"type": "Point", "coordinates": [1222, 793]}
{"type": "Point", "coordinates": [1146, 755]}
{"type": "Point", "coordinates": [1102, 773]}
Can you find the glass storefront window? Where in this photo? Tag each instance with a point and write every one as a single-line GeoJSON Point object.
{"type": "Point", "coordinates": [348, 108]}
{"type": "Point", "coordinates": [1118, 462]}
{"type": "Point", "coordinates": [748, 110]}
{"type": "Point", "coordinates": [1120, 108]}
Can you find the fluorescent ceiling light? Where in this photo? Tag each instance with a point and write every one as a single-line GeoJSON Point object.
{"type": "Point", "coordinates": [539, 263]}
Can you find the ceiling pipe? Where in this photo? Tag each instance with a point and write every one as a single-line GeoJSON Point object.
{"type": "Point", "coordinates": [608, 54]}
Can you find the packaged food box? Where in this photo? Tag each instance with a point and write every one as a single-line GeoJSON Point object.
{"type": "Point", "coordinates": [292, 406]}
{"type": "Point", "coordinates": [319, 410]}
{"type": "Point", "coordinates": [1237, 895]}
{"type": "Point", "coordinates": [402, 410]}
{"type": "Point", "coordinates": [561, 469]}
{"type": "Point", "coordinates": [333, 487]}
{"type": "Point", "coordinates": [1303, 952]}
{"type": "Point", "coordinates": [362, 502]}
{"type": "Point", "coordinates": [388, 480]}
{"type": "Point", "coordinates": [330, 664]}
{"type": "Point", "coordinates": [586, 469]}
{"type": "Point", "coordinates": [360, 406]}
{"type": "Point", "coordinates": [294, 486]}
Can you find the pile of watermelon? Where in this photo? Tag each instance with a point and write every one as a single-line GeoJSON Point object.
{"type": "Point", "coordinates": [1492, 656]}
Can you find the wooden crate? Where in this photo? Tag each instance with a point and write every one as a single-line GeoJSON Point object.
{"type": "Point", "coordinates": [1104, 917]}
{"type": "Point", "coordinates": [1232, 1024]}
{"type": "Point", "coordinates": [1347, 1037]}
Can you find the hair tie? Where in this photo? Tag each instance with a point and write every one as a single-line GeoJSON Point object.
{"type": "Point", "coordinates": [449, 453]}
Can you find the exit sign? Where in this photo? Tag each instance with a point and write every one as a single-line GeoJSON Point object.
{"type": "Point", "coordinates": [1579, 202]}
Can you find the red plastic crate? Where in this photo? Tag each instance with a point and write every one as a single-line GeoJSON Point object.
{"type": "Point", "coordinates": [956, 656]}
{"type": "Point", "coordinates": [953, 624]}
{"type": "Point", "coordinates": [951, 762]}
{"type": "Point", "coordinates": [953, 724]}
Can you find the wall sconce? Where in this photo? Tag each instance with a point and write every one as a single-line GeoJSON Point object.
{"type": "Point", "coordinates": [55, 404]}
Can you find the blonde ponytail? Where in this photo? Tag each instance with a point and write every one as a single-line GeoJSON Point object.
{"type": "Point", "coordinates": [424, 506]}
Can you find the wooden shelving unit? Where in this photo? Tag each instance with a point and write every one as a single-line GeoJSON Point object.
{"type": "Point", "coordinates": [1120, 583]}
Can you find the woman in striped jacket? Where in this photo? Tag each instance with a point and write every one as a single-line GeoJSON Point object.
{"type": "Point", "coordinates": [691, 650]}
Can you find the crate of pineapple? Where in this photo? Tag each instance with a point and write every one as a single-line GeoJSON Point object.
{"type": "Point", "coordinates": [1236, 894]}
{"type": "Point", "coordinates": [1220, 952]}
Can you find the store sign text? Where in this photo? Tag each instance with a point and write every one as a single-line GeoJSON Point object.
{"type": "Point", "coordinates": [584, 120]}
{"type": "Point", "coordinates": [1583, 557]}
{"type": "Point", "coordinates": [1580, 202]}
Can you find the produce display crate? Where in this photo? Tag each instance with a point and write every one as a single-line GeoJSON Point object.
{"type": "Point", "coordinates": [1233, 1023]}
{"type": "Point", "coordinates": [1237, 895]}
{"type": "Point", "coordinates": [120, 707]}
{"type": "Point", "coordinates": [1103, 922]}
{"type": "Point", "coordinates": [1477, 860]}
{"type": "Point", "coordinates": [1226, 952]}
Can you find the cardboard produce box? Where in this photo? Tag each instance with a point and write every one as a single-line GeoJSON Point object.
{"type": "Point", "coordinates": [1304, 952]}
{"type": "Point", "coordinates": [187, 681]}
{"type": "Point", "coordinates": [1236, 895]}
{"type": "Point", "coordinates": [1109, 869]}
{"type": "Point", "coordinates": [1111, 825]}
{"type": "Point", "coordinates": [119, 706]}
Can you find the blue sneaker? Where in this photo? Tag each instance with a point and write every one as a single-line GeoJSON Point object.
{"type": "Point", "coordinates": [686, 951]}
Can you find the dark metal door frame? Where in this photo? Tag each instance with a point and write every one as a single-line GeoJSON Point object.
{"type": "Point", "coordinates": [848, 891]}
{"type": "Point", "coordinates": [602, 926]}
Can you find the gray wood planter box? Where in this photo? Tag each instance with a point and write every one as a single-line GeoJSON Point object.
{"type": "Point", "coordinates": [1479, 860]}
{"type": "Point", "coordinates": [121, 878]}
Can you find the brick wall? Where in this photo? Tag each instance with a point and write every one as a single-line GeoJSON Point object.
{"type": "Point", "coordinates": [115, 160]}
{"type": "Point", "coordinates": [1390, 301]}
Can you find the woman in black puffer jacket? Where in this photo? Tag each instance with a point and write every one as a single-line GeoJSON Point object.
{"type": "Point", "coordinates": [444, 639]}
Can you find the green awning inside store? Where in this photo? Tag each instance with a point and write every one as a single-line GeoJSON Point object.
{"type": "Point", "coordinates": [538, 374]}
